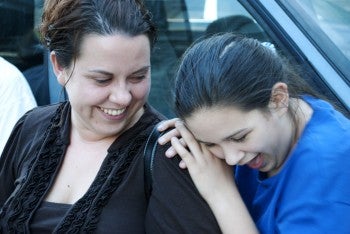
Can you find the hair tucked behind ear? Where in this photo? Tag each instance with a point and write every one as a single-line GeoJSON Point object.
{"type": "Point", "coordinates": [230, 70]}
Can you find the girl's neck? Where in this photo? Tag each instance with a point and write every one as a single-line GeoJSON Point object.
{"type": "Point", "coordinates": [303, 113]}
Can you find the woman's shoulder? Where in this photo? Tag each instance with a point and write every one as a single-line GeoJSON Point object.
{"type": "Point", "coordinates": [151, 112]}
{"type": "Point", "coordinates": [46, 110]}
{"type": "Point", "coordinates": [37, 121]}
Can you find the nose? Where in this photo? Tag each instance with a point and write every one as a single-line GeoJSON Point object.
{"type": "Point", "coordinates": [232, 155]}
{"type": "Point", "coordinates": [120, 94]}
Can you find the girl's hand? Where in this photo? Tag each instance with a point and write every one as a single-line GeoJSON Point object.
{"type": "Point", "coordinates": [166, 125]}
{"type": "Point", "coordinates": [215, 182]}
{"type": "Point", "coordinates": [211, 175]}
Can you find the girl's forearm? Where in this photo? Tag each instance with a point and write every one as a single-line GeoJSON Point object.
{"type": "Point", "coordinates": [231, 213]}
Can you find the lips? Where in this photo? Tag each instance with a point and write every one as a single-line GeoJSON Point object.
{"type": "Point", "coordinates": [113, 112]}
{"type": "Point", "coordinates": [256, 162]}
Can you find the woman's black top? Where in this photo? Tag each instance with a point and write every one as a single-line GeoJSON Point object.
{"type": "Point", "coordinates": [48, 216]}
{"type": "Point", "coordinates": [115, 201]}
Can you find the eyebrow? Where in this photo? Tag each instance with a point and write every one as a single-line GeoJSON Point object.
{"type": "Point", "coordinates": [143, 69]}
{"type": "Point", "coordinates": [226, 138]}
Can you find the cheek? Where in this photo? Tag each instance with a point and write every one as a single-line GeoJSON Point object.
{"type": "Point", "coordinates": [141, 90]}
{"type": "Point", "coordinates": [217, 152]}
{"type": "Point", "coordinates": [83, 92]}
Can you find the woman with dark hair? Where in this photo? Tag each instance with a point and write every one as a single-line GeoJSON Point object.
{"type": "Point", "coordinates": [242, 105]}
{"type": "Point", "coordinates": [77, 166]}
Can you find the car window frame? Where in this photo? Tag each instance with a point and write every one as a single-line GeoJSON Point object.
{"type": "Point", "coordinates": [290, 38]}
{"type": "Point", "coordinates": [323, 43]}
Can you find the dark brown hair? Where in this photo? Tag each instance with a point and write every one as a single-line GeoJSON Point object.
{"type": "Point", "coordinates": [232, 70]}
{"type": "Point", "coordinates": [65, 23]}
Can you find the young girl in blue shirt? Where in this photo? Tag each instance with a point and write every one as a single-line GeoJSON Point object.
{"type": "Point", "coordinates": [241, 104]}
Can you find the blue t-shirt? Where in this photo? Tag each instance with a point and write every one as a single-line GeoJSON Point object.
{"type": "Point", "coordinates": [311, 194]}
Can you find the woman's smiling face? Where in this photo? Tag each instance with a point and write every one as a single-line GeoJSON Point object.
{"type": "Point", "coordinates": [256, 139]}
{"type": "Point", "coordinates": [109, 84]}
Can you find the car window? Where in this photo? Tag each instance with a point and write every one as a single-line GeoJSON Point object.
{"type": "Point", "coordinates": [186, 22]}
{"type": "Point", "coordinates": [18, 40]}
{"type": "Point", "coordinates": [327, 23]}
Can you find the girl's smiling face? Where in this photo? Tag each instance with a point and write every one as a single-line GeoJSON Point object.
{"type": "Point", "coordinates": [108, 84]}
{"type": "Point", "coordinates": [257, 139]}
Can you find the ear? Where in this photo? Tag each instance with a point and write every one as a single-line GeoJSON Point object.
{"type": "Point", "coordinates": [279, 96]}
{"type": "Point", "coordinates": [57, 69]}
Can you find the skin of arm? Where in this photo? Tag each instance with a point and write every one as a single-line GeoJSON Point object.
{"type": "Point", "coordinates": [213, 178]}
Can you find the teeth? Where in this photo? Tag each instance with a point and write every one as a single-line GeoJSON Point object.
{"type": "Point", "coordinates": [113, 112]}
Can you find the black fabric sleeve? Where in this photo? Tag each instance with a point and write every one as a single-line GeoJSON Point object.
{"type": "Point", "coordinates": [9, 162]}
{"type": "Point", "coordinates": [20, 149]}
{"type": "Point", "coordinates": [175, 205]}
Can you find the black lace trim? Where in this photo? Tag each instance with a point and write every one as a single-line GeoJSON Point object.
{"type": "Point", "coordinates": [84, 215]}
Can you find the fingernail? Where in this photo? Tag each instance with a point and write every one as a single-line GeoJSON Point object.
{"type": "Point", "coordinates": [182, 164]}
{"type": "Point", "coordinates": [160, 127]}
{"type": "Point", "coordinates": [167, 154]}
{"type": "Point", "coordinates": [161, 141]}
{"type": "Point", "coordinates": [170, 152]}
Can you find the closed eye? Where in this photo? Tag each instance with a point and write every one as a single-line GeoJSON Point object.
{"type": "Point", "coordinates": [136, 79]}
{"type": "Point", "coordinates": [240, 139]}
{"type": "Point", "coordinates": [139, 75]}
{"type": "Point", "coordinates": [102, 81]}
{"type": "Point", "coordinates": [209, 145]}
